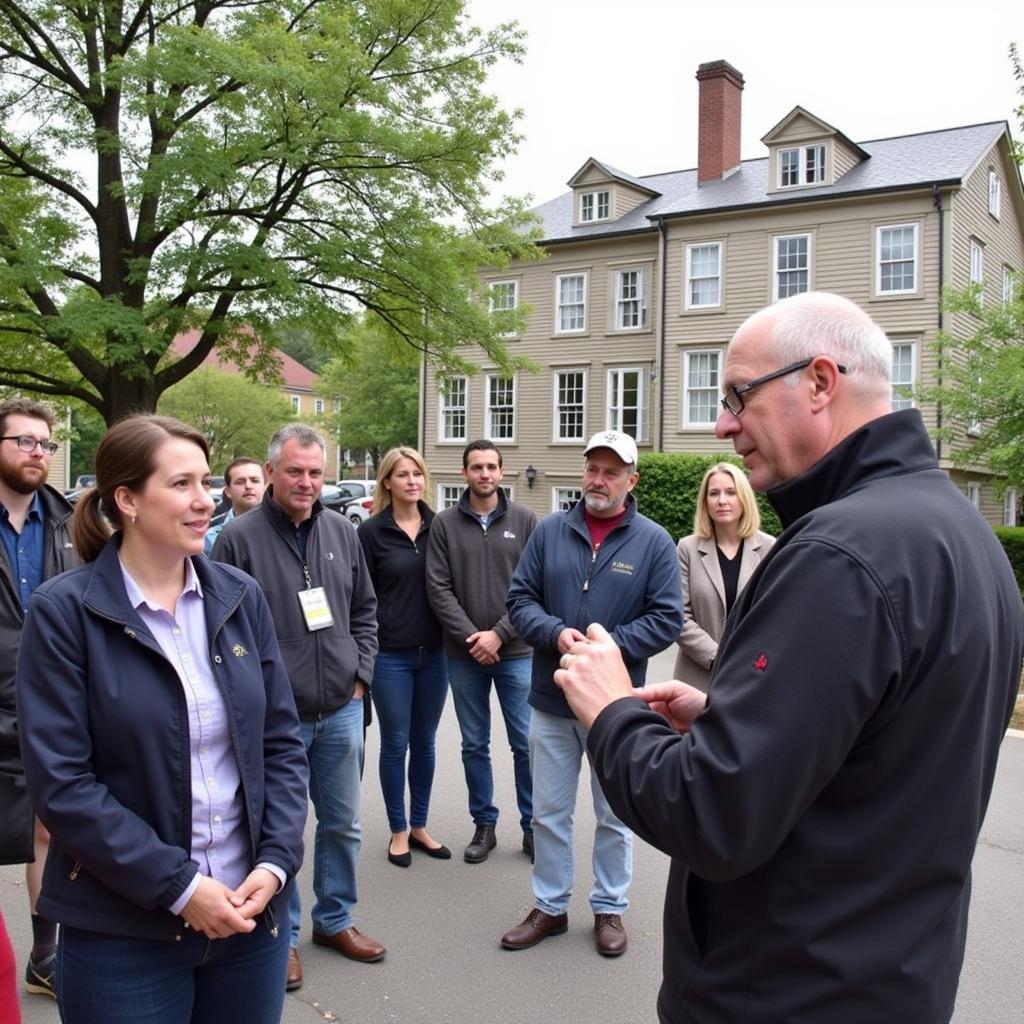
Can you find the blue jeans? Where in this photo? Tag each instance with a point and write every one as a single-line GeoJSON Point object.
{"type": "Point", "coordinates": [334, 747]}
{"type": "Point", "coordinates": [471, 694]}
{"type": "Point", "coordinates": [113, 979]}
{"type": "Point", "coordinates": [557, 746]}
{"type": "Point", "coordinates": [409, 688]}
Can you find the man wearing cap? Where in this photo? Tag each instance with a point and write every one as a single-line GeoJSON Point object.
{"type": "Point", "coordinates": [599, 562]}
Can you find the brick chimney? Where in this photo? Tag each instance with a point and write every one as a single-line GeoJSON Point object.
{"type": "Point", "coordinates": [718, 140]}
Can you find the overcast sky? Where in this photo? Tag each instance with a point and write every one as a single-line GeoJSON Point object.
{"type": "Point", "coordinates": [615, 80]}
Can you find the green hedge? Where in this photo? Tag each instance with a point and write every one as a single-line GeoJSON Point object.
{"type": "Point", "coordinates": [1012, 539]}
{"type": "Point", "coordinates": [667, 491]}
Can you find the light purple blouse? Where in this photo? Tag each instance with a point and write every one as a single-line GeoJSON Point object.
{"type": "Point", "coordinates": [220, 841]}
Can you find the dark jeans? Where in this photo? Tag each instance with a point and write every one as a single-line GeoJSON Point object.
{"type": "Point", "coordinates": [409, 690]}
{"type": "Point", "coordinates": [112, 979]}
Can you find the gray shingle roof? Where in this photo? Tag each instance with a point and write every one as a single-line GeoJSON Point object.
{"type": "Point", "coordinates": [897, 163]}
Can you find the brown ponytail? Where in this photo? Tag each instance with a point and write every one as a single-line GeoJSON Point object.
{"type": "Point", "coordinates": [124, 458]}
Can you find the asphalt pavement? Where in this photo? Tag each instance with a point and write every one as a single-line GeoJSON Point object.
{"type": "Point", "coordinates": [441, 920]}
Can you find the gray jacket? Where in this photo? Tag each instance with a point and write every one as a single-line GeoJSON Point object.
{"type": "Point", "coordinates": [468, 570]}
{"type": "Point", "coordinates": [323, 665]}
{"type": "Point", "coordinates": [58, 556]}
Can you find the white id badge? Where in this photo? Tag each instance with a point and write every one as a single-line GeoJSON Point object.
{"type": "Point", "coordinates": [315, 608]}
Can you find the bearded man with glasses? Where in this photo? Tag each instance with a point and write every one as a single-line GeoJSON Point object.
{"type": "Point", "coordinates": [34, 545]}
{"type": "Point", "coordinates": [822, 803]}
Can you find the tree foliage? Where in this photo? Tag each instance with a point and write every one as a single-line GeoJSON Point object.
{"type": "Point", "coordinates": [237, 416]}
{"type": "Point", "coordinates": [377, 389]}
{"type": "Point", "coordinates": [168, 166]}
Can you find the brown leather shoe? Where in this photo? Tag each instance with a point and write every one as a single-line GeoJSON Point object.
{"type": "Point", "coordinates": [537, 926]}
{"type": "Point", "coordinates": [293, 979]}
{"type": "Point", "coordinates": [351, 943]}
{"type": "Point", "coordinates": [609, 934]}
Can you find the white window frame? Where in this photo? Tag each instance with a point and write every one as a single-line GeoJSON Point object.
{"type": "Point", "coordinates": [690, 278]}
{"type": "Point", "coordinates": [492, 380]}
{"type": "Point", "coordinates": [1007, 285]}
{"type": "Point", "coordinates": [318, 406]}
{"type": "Point", "coordinates": [443, 409]}
{"type": "Point", "coordinates": [902, 401]}
{"type": "Point", "coordinates": [815, 155]}
{"type": "Point", "coordinates": [556, 420]}
{"type": "Point", "coordinates": [559, 278]}
{"type": "Point", "coordinates": [296, 403]}
{"type": "Point", "coordinates": [614, 409]}
{"type": "Point", "coordinates": [562, 496]}
{"type": "Point", "coordinates": [978, 267]}
{"type": "Point", "coordinates": [590, 212]}
{"type": "Point", "coordinates": [995, 193]}
{"type": "Point", "coordinates": [880, 263]}
{"type": "Point", "coordinates": [688, 354]}
{"type": "Point", "coordinates": [776, 270]}
{"type": "Point", "coordinates": [639, 298]}
{"type": "Point", "coordinates": [973, 492]}
{"type": "Point", "coordinates": [492, 289]}
{"type": "Point", "coordinates": [448, 495]}
{"type": "Point", "coordinates": [1010, 506]}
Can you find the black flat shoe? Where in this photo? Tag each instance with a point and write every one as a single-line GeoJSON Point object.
{"type": "Point", "coordinates": [437, 852]}
{"type": "Point", "coordinates": [400, 860]}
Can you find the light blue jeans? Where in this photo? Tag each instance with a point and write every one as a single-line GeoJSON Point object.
{"type": "Point", "coordinates": [557, 746]}
{"type": "Point", "coordinates": [334, 747]}
{"type": "Point", "coordinates": [471, 694]}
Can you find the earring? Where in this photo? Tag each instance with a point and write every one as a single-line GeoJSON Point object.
{"type": "Point", "coordinates": [135, 519]}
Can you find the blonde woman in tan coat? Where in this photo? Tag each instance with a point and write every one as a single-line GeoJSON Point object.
{"type": "Point", "coordinates": [715, 562]}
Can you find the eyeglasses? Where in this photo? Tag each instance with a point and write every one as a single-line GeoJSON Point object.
{"type": "Point", "coordinates": [27, 443]}
{"type": "Point", "coordinates": [733, 398]}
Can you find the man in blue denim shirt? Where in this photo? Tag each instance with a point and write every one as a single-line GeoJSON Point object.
{"type": "Point", "coordinates": [34, 545]}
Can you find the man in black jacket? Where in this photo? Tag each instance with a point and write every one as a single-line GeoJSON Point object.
{"type": "Point", "coordinates": [822, 810]}
{"type": "Point", "coordinates": [34, 545]}
{"type": "Point", "coordinates": [325, 612]}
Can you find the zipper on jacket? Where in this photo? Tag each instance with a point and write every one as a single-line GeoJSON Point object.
{"type": "Point", "coordinates": [76, 868]}
{"type": "Point", "coordinates": [590, 570]}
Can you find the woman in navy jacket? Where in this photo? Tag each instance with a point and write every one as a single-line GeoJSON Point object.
{"type": "Point", "coordinates": [162, 752]}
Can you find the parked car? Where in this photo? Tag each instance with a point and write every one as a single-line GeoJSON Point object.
{"type": "Point", "coordinates": [352, 498]}
{"type": "Point", "coordinates": [83, 481]}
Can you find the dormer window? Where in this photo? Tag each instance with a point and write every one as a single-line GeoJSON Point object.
{"type": "Point", "coordinates": [594, 206]}
{"type": "Point", "coordinates": [801, 165]}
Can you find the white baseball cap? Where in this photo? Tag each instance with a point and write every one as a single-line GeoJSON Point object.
{"type": "Point", "coordinates": [622, 444]}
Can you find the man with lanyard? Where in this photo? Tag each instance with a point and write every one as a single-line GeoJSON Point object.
{"type": "Point", "coordinates": [599, 562]}
{"type": "Point", "coordinates": [315, 580]}
{"type": "Point", "coordinates": [34, 521]}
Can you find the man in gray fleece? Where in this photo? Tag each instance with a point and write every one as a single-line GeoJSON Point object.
{"type": "Point", "coordinates": [473, 550]}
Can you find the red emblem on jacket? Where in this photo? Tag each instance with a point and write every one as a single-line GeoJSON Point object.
{"type": "Point", "coordinates": [761, 662]}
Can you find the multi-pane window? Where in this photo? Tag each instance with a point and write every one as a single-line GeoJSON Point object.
{"type": "Point", "coordinates": [897, 259]}
{"type": "Point", "coordinates": [630, 300]}
{"type": "Point", "coordinates": [501, 408]}
{"type": "Point", "coordinates": [626, 402]}
{"type": "Point", "coordinates": [995, 193]}
{"type": "Point", "coordinates": [792, 265]}
{"type": "Point", "coordinates": [802, 165]}
{"type": "Point", "coordinates": [448, 495]}
{"type": "Point", "coordinates": [703, 289]}
{"type": "Point", "coordinates": [701, 383]}
{"type": "Point", "coordinates": [570, 398]}
{"type": "Point", "coordinates": [563, 498]}
{"type": "Point", "coordinates": [454, 400]}
{"type": "Point", "coordinates": [594, 206]}
{"type": "Point", "coordinates": [978, 268]}
{"type": "Point", "coordinates": [295, 402]}
{"type": "Point", "coordinates": [974, 493]}
{"type": "Point", "coordinates": [504, 296]}
{"type": "Point", "coordinates": [902, 375]}
{"type": "Point", "coordinates": [1010, 506]}
{"type": "Point", "coordinates": [570, 303]}
{"type": "Point", "coordinates": [318, 406]}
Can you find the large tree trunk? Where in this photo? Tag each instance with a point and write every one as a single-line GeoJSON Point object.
{"type": "Point", "coordinates": [124, 396]}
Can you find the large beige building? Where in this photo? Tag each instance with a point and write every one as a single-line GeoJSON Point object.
{"type": "Point", "coordinates": [648, 278]}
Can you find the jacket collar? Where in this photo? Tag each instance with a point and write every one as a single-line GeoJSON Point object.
{"type": "Point", "coordinates": [279, 517]}
{"type": "Point", "coordinates": [387, 515]}
{"type": "Point", "coordinates": [105, 593]}
{"type": "Point", "coordinates": [890, 445]}
{"type": "Point", "coordinates": [499, 510]}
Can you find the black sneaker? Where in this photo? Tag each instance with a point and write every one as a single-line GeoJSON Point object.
{"type": "Point", "coordinates": [39, 976]}
{"type": "Point", "coordinates": [480, 845]}
{"type": "Point", "coordinates": [528, 845]}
